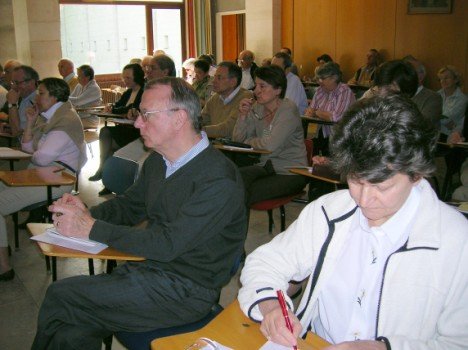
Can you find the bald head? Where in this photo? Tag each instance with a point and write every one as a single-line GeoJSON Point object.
{"type": "Point", "coordinates": [246, 58]}
{"type": "Point", "coordinates": [65, 67]}
{"type": "Point", "coordinates": [8, 68]}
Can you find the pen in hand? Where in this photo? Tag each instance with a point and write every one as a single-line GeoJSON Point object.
{"type": "Point", "coordinates": [284, 310]}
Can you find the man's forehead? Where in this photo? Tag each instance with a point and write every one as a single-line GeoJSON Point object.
{"type": "Point", "coordinates": [156, 97]}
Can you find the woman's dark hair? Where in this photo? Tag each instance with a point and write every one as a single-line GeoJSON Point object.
{"type": "Point", "coordinates": [203, 65]}
{"type": "Point", "coordinates": [381, 136]}
{"type": "Point", "coordinates": [207, 58]}
{"type": "Point", "coordinates": [57, 88]}
{"type": "Point", "coordinates": [326, 58]}
{"type": "Point", "coordinates": [397, 72]}
{"type": "Point", "coordinates": [274, 76]}
{"type": "Point", "coordinates": [138, 73]}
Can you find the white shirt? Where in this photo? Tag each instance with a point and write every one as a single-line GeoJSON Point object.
{"type": "Point", "coordinates": [347, 305]}
{"type": "Point", "coordinates": [247, 81]}
{"type": "Point", "coordinates": [86, 96]}
{"type": "Point", "coordinates": [69, 77]}
{"type": "Point", "coordinates": [231, 96]}
{"type": "Point", "coordinates": [295, 92]}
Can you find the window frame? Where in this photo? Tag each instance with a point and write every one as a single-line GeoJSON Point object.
{"type": "Point", "coordinates": [149, 6]}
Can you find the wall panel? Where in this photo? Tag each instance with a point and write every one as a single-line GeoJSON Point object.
{"type": "Point", "coordinates": [348, 29]}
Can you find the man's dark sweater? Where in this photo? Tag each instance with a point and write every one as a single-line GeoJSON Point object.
{"type": "Point", "coordinates": [196, 218]}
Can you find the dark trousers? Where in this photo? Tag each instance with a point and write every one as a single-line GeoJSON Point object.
{"type": "Point", "coordinates": [112, 138]}
{"type": "Point", "coordinates": [321, 145]}
{"type": "Point", "coordinates": [78, 312]}
{"type": "Point", "coordinates": [262, 183]}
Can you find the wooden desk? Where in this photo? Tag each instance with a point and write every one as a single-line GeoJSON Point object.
{"type": "Point", "coordinates": [319, 172]}
{"type": "Point", "coordinates": [317, 120]}
{"type": "Point", "coordinates": [55, 251]}
{"type": "Point", "coordinates": [108, 116]}
{"type": "Point", "coordinates": [9, 137]}
{"type": "Point", "coordinates": [241, 150]}
{"type": "Point", "coordinates": [232, 329]}
{"type": "Point", "coordinates": [42, 176]}
{"type": "Point", "coordinates": [12, 155]}
{"type": "Point", "coordinates": [89, 109]}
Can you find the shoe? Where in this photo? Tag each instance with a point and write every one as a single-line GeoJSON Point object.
{"type": "Point", "coordinates": [96, 177]}
{"type": "Point", "coordinates": [7, 276]}
{"type": "Point", "coordinates": [104, 191]}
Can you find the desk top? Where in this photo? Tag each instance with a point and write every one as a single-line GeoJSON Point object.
{"type": "Point", "coordinates": [8, 135]}
{"type": "Point", "coordinates": [233, 329]}
{"type": "Point", "coordinates": [241, 150]}
{"type": "Point", "coordinates": [89, 109]}
{"type": "Point", "coordinates": [319, 172]}
{"type": "Point", "coordinates": [10, 153]}
{"type": "Point", "coordinates": [317, 120]}
{"type": "Point", "coordinates": [106, 114]}
{"type": "Point", "coordinates": [454, 145]}
{"type": "Point", "coordinates": [42, 176]}
{"type": "Point", "coordinates": [55, 250]}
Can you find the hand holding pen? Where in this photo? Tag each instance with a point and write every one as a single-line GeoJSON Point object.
{"type": "Point", "coordinates": [274, 327]}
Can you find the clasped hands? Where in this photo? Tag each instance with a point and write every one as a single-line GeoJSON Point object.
{"type": "Point", "coordinates": [71, 217]}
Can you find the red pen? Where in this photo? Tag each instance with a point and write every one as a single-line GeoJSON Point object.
{"type": "Point", "coordinates": [284, 310]}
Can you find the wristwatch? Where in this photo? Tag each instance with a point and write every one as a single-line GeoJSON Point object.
{"type": "Point", "coordinates": [10, 105]}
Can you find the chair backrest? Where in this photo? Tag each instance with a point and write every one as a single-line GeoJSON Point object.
{"type": "Point", "coordinates": [309, 145]}
{"type": "Point", "coordinates": [118, 174]}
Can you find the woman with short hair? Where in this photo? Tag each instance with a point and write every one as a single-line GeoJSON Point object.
{"type": "Point", "coordinates": [53, 135]}
{"type": "Point", "coordinates": [329, 103]}
{"type": "Point", "coordinates": [272, 122]}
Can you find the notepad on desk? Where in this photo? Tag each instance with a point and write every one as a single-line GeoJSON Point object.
{"type": "Point", "coordinates": [51, 236]}
{"type": "Point", "coordinates": [269, 345]}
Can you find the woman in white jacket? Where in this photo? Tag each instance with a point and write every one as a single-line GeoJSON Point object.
{"type": "Point", "coordinates": [385, 260]}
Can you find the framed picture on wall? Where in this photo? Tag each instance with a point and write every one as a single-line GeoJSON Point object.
{"type": "Point", "coordinates": [429, 6]}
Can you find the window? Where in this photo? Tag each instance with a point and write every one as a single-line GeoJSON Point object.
{"type": "Point", "coordinates": [109, 36]}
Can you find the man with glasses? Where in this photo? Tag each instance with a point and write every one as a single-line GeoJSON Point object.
{"type": "Point", "coordinates": [222, 109]}
{"type": "Point", "coordinates": [192, 199]}
{"type": "Point", "coordinates": [159, 67]}
{"type": "Point", "coordinates": [20, 97]}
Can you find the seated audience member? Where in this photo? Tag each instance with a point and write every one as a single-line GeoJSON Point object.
{"type": "Point", "coordinates": [266, 62]}
{"type": "Point", "coordinates": [222, 109]}
{"type": "Point", "coordinates": [67, 71]}
{"type": "Point", "coordinates": [395, 76]}
{"type": "Point", "coordinates": [192, 197]}
{"type": "Point", "coordinates": [272, 123]}
{"type": "Point", "coordinates": [189, 70]}
{"type": "Point", "coordinates": [53, 133]}
{"type": "Point", "coordinates": [364, 76]}
{"type": "Point", "coordinates": [385, 260]}
{"type": "Point", "coordinates": [86, 94]}
{"type": "Point", "coordinates": [429, 102]}
{"type": "Point", "coordinates": [246, 61]}
{"type": "Point", "coordinates": [203, 83]}
{"type": "Point", "coordinates": [321, 60]}
{"type": "Point", "coordinates": [454, 101]}
{"type": "Point", "coordinates": [158, 52]}
{"type": "Point", "coordinates": [160, 66]}
{"type": "Point", "coordinates": [211, 61]}
{"type": "Point", "coordinates": [145, 62]}
{"type": "Point", "coordinates": [329, 103]}
{"type": "Point", "coordinates": [461, 193]}
{"type": "Point", "coordinates": [7, 76]}
{"type": "Point", "coordinates": [295, 90]}
{"type": "Point", "coordinates": [111, 138]}
{"type": "Point", "coordinates": [136, 60]}
{"type": "Point", "coordinates": [20, 97]}
{"type": "Point", "coordinates": [3, 93]}
{"type": "Point", "coordinates": [293, 68]}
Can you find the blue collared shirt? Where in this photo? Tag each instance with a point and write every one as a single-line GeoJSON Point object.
{"type": "Point", "coordinates": [172, 167]}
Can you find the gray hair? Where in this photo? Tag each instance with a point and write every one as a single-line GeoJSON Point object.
{"type": "Point", "coordinates": [183, 97]}
{"type": "Point", "coordinates": [330, 69]}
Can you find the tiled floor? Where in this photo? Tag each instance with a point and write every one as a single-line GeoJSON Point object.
{"type": "Point", "coordinates": [20, 299]}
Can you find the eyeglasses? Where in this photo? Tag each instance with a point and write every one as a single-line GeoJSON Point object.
{"type": "Point", "coordinates": [16, 82]}
{"type": "Point", "coordinates": [145, 116]}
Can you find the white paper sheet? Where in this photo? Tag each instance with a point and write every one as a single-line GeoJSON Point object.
{"type": "Point", "coordinates": [53, 237]}
{"type": "Point", "coordinates": [234, 148]}
{"type": "Point", "coordinates": [12, 153]}
{"type": "Point", "coordinates": [269, 345]}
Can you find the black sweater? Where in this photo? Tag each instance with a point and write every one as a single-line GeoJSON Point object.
{"type": "Point", "coordinates": [196, 218]}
